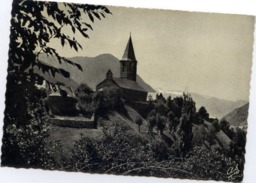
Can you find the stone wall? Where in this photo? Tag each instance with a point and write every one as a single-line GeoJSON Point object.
{"type": "Point", "coordinates": [73, 122]}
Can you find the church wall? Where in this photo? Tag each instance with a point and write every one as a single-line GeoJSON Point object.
{"type": "Point", "coordinates": [133, 95]}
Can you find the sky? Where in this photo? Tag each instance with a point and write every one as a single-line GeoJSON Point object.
{"type": "Point", "coordinates": [205, 53]}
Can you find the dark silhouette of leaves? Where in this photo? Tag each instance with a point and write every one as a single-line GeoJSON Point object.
{"type": "Point", "coordinates": [91, 17]}
{"type": "Point", "coordinates": [35, 23]}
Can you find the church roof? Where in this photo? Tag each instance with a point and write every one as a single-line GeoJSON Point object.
{"type": "Point", "coordinates": [128, 84]}
{"type": "Point", "coordinates": [129, 54]}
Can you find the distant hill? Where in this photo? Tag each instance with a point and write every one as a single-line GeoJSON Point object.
{"type": "Point", "coordinates": [216, 107]}
{"type": "Point", "coordinates": [94, 70]}
{"type": "Point", "coordinates": [238, 117]}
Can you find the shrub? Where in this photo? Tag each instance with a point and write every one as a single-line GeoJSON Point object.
{"type": "Point", "coordinates": [24, 143]}
{"type": "Point", "coordinates": [85, 97]}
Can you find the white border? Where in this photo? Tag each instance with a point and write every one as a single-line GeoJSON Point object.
{"type": "Point", "coordinates": [246, 7]}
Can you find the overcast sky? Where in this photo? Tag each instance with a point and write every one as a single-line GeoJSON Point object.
{"type": "Point", "coordinates": [210, 54]}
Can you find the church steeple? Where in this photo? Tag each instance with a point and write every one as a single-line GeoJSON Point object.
{"type": "Point", "coordinates": [129, 51]}
{"type": "Point", "coordinates": [128, 64]}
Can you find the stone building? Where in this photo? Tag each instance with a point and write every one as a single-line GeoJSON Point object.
{"type": "Point", "coordinates": [130, 89]}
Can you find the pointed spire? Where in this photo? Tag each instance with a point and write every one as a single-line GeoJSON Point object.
{"type": "Point", "coordinates": [129, 52]}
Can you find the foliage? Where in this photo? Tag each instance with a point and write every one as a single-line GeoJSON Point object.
{"type": "Point", "coordinates": [176, 106]}
{"type": "Point", "coordinates": [160, 123]}
{"type": "Point", "coordinates": [161, 108]}
{"type": "Point", "coordinates": [118, 156]}
{"type": "Point", "coordinates": [85, 100]}
{"type": "Point", "coordinates": [108, 100]}
{"type": "Point", "coordinates": [151, 120]}
{"type": "Point", "coordinates": [169, 102]}
{"type": "Point", "coordinates": [139, 123]}
{"type": "Point", "coordinates": [33, 25]}
{"type": "Point", "coordinates": [23, 143]}
{"type": "Point", "coordinates": [208, 164]}
{"type": "Point", "coordinates": [225, 127]}
{"type": "Point", "coordinates": [202, 112]}
{"type": "Point", "coordinates": [216, 125]}
{"type": "Point", "coordinates": [184, 133]}
{"type": "Point", "coordinates": [160, 98]}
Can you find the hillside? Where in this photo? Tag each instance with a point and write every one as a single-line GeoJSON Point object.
{"type": "Point", "coordinates": [216, 107]}
{"type": "Point", "coordinates": [94, 70]}
{"type": "Point", "coordinates": [238, 117]}
{"type": "Point", "coordinates": [124, 127]}
{"type": "Point", "coordinates": [116, 125]}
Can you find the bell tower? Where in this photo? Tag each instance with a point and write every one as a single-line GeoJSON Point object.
{"type": "Point", "coordinates": [128, 64]}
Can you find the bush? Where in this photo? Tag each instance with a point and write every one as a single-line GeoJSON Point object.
{"type": "Point", "coordinates": [85, 98]}
{"type": "Point", "coordinates": [24, 143]}
{"type": "Point", "coordinates": [139, 123]}
{"type": "Point", "coordinates": [202, 112]}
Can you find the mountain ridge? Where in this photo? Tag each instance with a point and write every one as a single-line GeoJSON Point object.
{"type": "Point", "coordinates": [238, 117]}
{"type": "Point", "coordinates": [94, 69]}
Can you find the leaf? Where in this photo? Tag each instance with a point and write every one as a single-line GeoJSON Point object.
{"type": "Point", "coordinates": [73, 29]}
{"type": "Point", "coordinates": [107, 10]}
{"type": "Point", "coordinates": [62, 41]}
{"type": "Point", "coordinates": [102, 14]}
{"type": "Point", "coordinates": [53, 72]}
{"type": "Point", "coordinates": [84, 34]}
{"type": "Point", "coordinates": [88, 25]}
{"type": "Point", "coordinates": [64, 73]}
{"type": "Point", "coordinates": [91, 17]}
{"type": "Point", "coordinates": [97, 15]}
{"type": "Point", "coordinates": [79, 67]}
{"type": "Point", "coordinates": [70, 43]}
{"type": "Point", "coordinates": [75, 46]}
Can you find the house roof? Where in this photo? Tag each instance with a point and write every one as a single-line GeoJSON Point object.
{"type": "Point", "coordinates": [129, 54]}
{"type": "Point", "coordinates": [128, 84]}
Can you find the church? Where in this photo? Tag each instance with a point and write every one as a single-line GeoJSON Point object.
{"type": "Point", "coordinates": [130, 90]}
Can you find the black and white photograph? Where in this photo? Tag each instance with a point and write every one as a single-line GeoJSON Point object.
{"type": "Point", "coordinates": [127, 91]}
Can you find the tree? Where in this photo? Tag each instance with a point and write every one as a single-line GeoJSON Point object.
{"type": "Point", "coordinates": [216, 125]}
{"type": "Point", "coordinates": [170, 120]}
{"type": "Point", "coordinates": [151, 121]}
{"type": "Point", "coordinates": [160, 123]}
{"type": "Point", "coordinates": [139, 123]}
{"type": "Point", "coordinates": [225, 127]}
{"type": "Point", "coordinates": [33, 25]}
{"type": "Point", "coordinates": [185, 135]}
{"type": "Point", "coordinates": [176, 106]}
{"type": "Point", "coordinates": [85, 97]}
{"type": "Point", "coordinates": [161, 107]}
{"type": "Point", "coordinates": [169, 102]}
{"type": "Point", "coordinates": [202, 112]}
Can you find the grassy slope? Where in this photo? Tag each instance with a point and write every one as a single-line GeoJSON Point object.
{"type": "Point", "coordinates": [117, 123]}
{"type": "Point", "coordinates": [68, 136]}
{"type": "Point", "coordinates": [124, 127]}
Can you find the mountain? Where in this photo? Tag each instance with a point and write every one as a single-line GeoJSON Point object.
{"type": "Point", "coordinates": [238, 117]}
{"type": "Point", "coordinates": [94, 70]}
{"type": "Point", "coordinates": [216, 107]}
